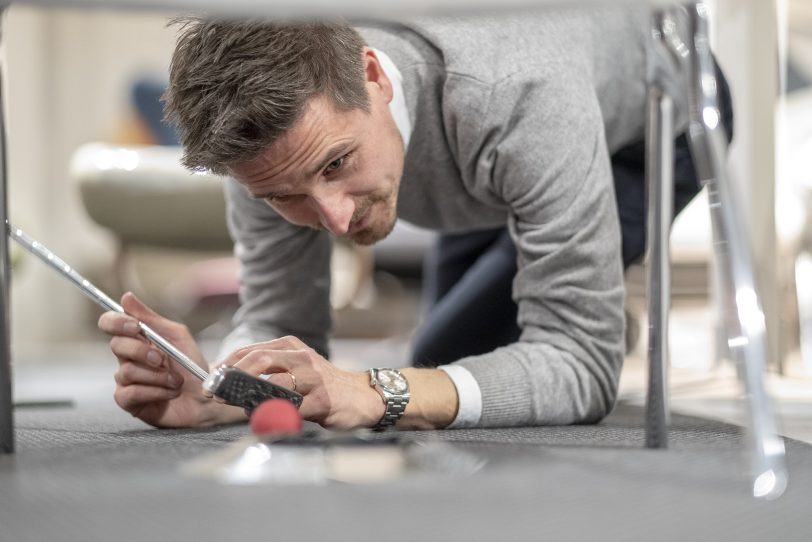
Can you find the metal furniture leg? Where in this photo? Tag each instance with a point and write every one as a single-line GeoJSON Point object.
{"type": "Point", "coordinates": [660, 187]}
{"type": "Point", "coordinates": [6, 412]}
{"type": "Point", "coordinates": [743, 316]}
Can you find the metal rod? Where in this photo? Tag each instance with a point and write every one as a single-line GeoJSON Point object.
{"type": "Point", "coordinates": [6, 411]}
{"type": "Point", "coordinates": [743, 314]}
{"type": "Point", "coordinates": [660, 187]}
{"type": "Point", "coordinates": [99, 297]}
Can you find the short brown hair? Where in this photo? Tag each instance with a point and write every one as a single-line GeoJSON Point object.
{"type": "Point", "coordinates": [236, 86]}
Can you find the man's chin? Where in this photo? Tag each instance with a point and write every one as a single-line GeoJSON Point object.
{"type": "Point", "coordinates": [366, 238]}
{"type": "Point", "coordinates": [370, 236]}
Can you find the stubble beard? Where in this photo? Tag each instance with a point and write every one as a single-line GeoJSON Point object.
{"type": "Point", "coordinates": [378, 229]}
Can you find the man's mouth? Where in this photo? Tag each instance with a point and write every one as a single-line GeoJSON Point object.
{"type": "Point", "coordinates": [361, 221]}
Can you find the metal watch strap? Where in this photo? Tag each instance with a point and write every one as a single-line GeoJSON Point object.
{"type": "Point", "coordinates": [395, 404]}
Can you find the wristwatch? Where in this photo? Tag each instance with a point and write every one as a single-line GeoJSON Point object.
{"type": "Point", "coordinates": [394, 390]}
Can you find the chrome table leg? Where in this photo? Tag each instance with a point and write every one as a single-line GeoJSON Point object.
{"type": "Point", "coordinates": [743, 315]}
{"type": "Point", "coordinates": [660, 188]}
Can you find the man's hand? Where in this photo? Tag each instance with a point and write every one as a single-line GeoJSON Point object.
{"type": "Point", "coordinates": [333, 397]}
{"type": "Point", "coordinates": [149, 385]}
{"type": "Point", "coordinates": [341, 399]}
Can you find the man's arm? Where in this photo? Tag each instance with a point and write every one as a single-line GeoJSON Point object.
{"type": "Point", "coordinates": [541, 149]}
{"type": "Point", "coordinates": [284, 276]}
{"type": "Point", "coordinates": [434, 401]}
{"type": "Point", "coordinates": [154, 389]}
{"type": "Point", "coordinates": [341, 399]}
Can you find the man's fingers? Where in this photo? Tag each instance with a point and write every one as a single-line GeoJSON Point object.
{"type": "Point", "coordinates": [271, 361]}
{"type": "Point", "coordinates": [114, 323]}
{"type": "Point", "coordinates": [134, 306]}
{"type": "Point", "coordinates": [127, 325]}
{"type": "Point", "coordinates": [129, 374]}
{"type": "Point", "coordinates": [166, 327]}
{"type": "Point", "coordinates": [288, 342]}
{"type": "Point", "coordinates": [137, 349]}
{"type": "Point", "coordinates": [284, 379]}
{"type": "Point", "coordinates": [133, 397]}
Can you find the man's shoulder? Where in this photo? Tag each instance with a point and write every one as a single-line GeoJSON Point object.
{"type": "Point", "coordinates": [488, 49]}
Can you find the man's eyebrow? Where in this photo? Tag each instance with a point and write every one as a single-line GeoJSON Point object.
{"type": "Point", "coordinates": [336, 151]}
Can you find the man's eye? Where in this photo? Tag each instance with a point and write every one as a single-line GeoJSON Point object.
{"type": "Point", "coordinates": [335, 165]}
{"type": "Point", "coordinates": [280, 199]}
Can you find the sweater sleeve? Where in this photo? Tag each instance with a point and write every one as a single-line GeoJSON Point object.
{"type": "Point", "coordinates": [549, 164]}
{"type": "Point", "coordinates": [284, 276]}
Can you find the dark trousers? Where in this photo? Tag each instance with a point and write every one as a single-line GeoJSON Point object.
{"type": "Point", "coordinates": [468, 277]}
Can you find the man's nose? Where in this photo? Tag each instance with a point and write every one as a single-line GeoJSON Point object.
{"type": "Point", "coordinates": [335, 212]}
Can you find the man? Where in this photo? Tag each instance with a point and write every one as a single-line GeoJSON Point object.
{"type": "Point", "coordinates": [462, 126]}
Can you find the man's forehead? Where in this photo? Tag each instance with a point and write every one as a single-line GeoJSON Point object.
{"type": "Point", "coordinates": [304, 134]}
{"type": "Point", "coordinates": [259, 164]}
{"type": "Point", "coordinates": [314, 138]}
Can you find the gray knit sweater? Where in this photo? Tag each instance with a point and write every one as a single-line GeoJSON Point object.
{"type": "Point", "coordinates": [513, 119]}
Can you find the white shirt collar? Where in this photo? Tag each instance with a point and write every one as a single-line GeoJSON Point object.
{"type": "Point", "coordinates": [398, 104]}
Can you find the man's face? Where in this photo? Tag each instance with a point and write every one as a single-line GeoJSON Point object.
{"type": "Point", "coordinates": [333, 170]}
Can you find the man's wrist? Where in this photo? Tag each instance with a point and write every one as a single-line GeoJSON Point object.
{"type": "Point", "coordinates": [393, 388]}
{"type": "Point", "coordinates": [372, 407]}
{"type": "Point", "coordinates": [434, 401]}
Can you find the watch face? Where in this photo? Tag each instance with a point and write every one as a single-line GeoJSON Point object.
{"type": "Point", "coordinates": [392, 381]}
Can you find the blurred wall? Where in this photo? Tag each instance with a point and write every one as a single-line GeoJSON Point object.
{"type": "Point", "coordinates": [67, 77]}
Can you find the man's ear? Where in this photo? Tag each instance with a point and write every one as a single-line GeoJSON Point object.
{"type": "Point", "coordinates": [375, 75]}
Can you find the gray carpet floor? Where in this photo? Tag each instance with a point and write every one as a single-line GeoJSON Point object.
{"type": "Point", "coordinates": [92, 473]}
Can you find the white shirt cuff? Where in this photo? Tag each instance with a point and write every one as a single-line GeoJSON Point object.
{"type": "Point", "coordinates": [469, 395]}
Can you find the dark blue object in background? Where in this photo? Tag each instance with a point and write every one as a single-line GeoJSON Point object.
{"type": "Point", "coordinates": [146, 97]}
